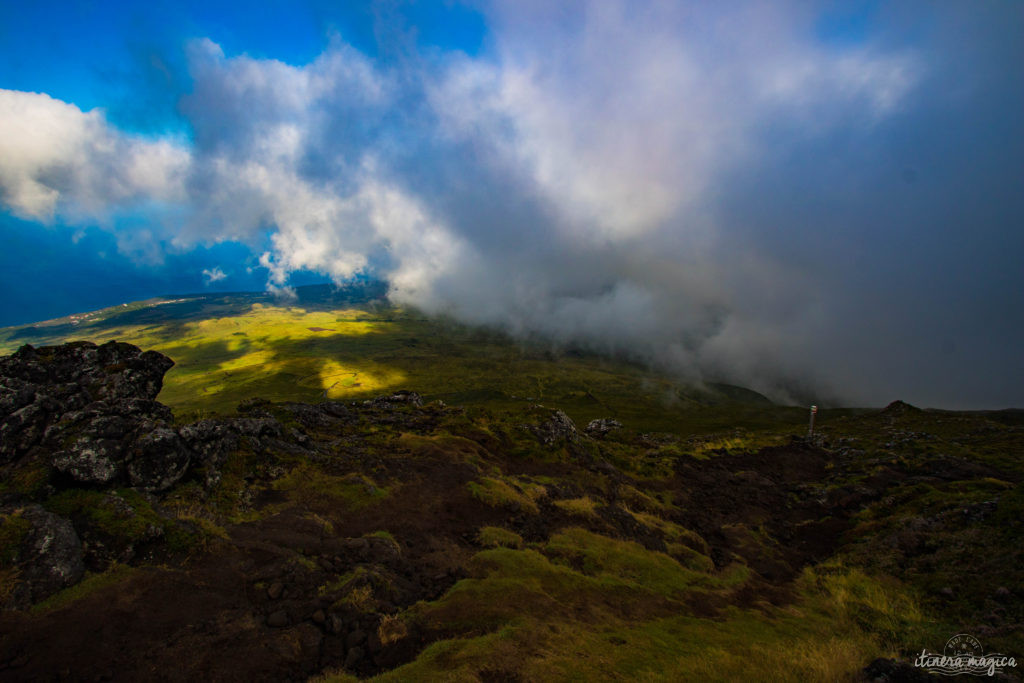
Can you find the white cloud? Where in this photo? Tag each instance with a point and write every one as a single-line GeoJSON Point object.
{"type": "Point", "coordinates": [55, 157]}
{"type": "Point", "coordinates": [629, 117]}
{"type": "Point", "coordinates": [330, 219]}
{"type": "Point", "coordinates": [214, 274]}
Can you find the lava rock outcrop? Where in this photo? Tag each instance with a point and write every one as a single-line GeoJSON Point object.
{"type": "Point", "coordinates": [89, 412]}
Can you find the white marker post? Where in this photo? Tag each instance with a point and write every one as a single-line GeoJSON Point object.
{"type": "Point", "coordinates": [810, 428]}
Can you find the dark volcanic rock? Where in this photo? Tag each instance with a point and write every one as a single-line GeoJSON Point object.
{"type": "Point", "coordinates": [558, 428]}
{"type": "Point", "coordinates": [158, 460]}
{"type": "Point", "coordinates": [91, 461]}
{"type": "Point", "coordinates": [309, 416]}
{"type": "Point", "coordinates": [255, 426]}
{"type": "Point", "coordinates": [93, 445]}
{"type": "Point", "coordinates": [601, 427]}
{"type": "Point", "coordinates": [47, 557]}
{"type": "Point", "coordinates": [90, 412]}
{"type": "Point", "coordinates": [335, 410]}
{"type": "Point", "coordinates": [212, 440]}
{"type": "Point", "coordinates": [898, 408]}
{"type": "Point", "coordinates": [73, 415]}
{"type": "Point", "coordinates": [209, 437]}
{"type": "Point", "coordinates": [402, 397]}
{"type": "Point", "coordinates": [108, 372]}
{"type": "Point", "coordinates": [21, 429]}
{"type": "Point", "coordinates": [278, 619]}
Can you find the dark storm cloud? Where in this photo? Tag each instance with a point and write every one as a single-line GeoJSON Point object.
{"type": "Point", "coordinates": [911, 228]}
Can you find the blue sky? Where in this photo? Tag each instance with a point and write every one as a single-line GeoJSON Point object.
{"type": "Point", "coordinates": [99, 54]}
{"type": "Point", "coordinates": [794, 196]}
{"type": "Point", "coordinates": [128, 59]}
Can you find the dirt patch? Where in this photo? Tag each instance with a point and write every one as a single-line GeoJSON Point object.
{"type": "Point", "coordinates": [281, 599]}
{"type": "Point", "coordinates": [766, 507]}
{"type": "Point", "coordinates": [273, 602]}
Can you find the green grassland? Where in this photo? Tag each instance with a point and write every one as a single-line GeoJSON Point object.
{"type": "Point", "coordinates": [231, 347]}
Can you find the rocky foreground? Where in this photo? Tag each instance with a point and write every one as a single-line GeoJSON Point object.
{"type": "Point", "coordinates": [292, 539]}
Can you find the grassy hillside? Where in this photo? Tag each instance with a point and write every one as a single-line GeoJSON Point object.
{"type": "Point", "coordinates": [477, 537]}
{"type": "Point", "coordinates": [343, 346]}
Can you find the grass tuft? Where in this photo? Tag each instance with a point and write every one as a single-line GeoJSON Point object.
{"type": "Point", "coordinates": [578, 507]}
{"type": "Point", "coordinates": [498, 493]}
{"type": "Point", "coordinates": [114, 574]}
{"type": "Point", "coordinates": [496, 537]}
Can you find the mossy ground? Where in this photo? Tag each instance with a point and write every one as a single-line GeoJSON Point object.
{"type": "Point", "coordinates": [93, 582]}
{"type": "Point", "coordinates": [568, 569]}
{"type": "Point", "coordinates": [624, 615]}
{"type": "Point", "coordinates": [13, 529]}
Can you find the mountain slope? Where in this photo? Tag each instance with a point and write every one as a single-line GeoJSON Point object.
{"type": "Point", "coordinates": [413, 539]}
{"type": "Point", "coordinates": [349, 344]}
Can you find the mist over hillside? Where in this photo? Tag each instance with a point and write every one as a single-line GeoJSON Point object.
{"type": "Point", "coordinates": [324, 342]}
{"type": "Point", "coordinates": [795, 197]}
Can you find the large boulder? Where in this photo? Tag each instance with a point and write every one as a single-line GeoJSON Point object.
{"type": "Point", "coordinates": [90, 411]}
{"type": "Point", "coordinates": [108, 372]}
{"type": "Point", "coordinates": [158, 459]}
{"type": "Point", "coordinates": [90, 461]}
{"type": "Point", "coordinates": [601, 427]}
{"type": "Point", "coordinates": [39, 386]}
{"type": "Point", "coordinates": [557, 429]}
{"type": "Point", "coordinates": [41, 551]}
{"type": "Point", "coordinates": [94, 445]}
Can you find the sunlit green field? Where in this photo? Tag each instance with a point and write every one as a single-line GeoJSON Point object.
{"type": "Point", "coordinates": [227, 349]}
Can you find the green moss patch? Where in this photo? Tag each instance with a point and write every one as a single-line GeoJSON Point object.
{"type": "Point", "coordinates": [116, 573]}
{"type": "Point", "coordinates": [13, 529]}
{"type": "Point", "coordinates": [499, 493]}
{"type": "Point", "coordinates": [123, 514]}
{"type": "Point", "coordinates": [26, 480]}
{"type": "Point", "coordinates": [528, 618]}
{"type": "Point", "coordinates": [496, 537]}
{"type": "Point", "coordinates": [311, 486]}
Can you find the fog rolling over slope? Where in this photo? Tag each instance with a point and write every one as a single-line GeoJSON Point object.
{"type": "Point", "coordinates": [802, 198]}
